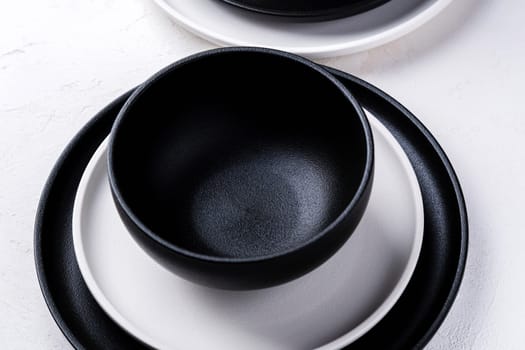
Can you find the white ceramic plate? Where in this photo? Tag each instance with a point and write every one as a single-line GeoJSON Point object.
{"type": "Point", "coordinates": [226, 25]}
{"type": "Point", "coordinates": [327, 308]}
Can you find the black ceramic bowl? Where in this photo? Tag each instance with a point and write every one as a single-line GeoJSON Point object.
{"type": "Point", "coordinates": [241, 168]}
{"type": "Point", "coordinates": [323, 9]}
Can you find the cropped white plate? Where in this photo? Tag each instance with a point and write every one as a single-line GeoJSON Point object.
{"type": "Point", "coordinates": [226, 25]}
{"type": "Point", "coordinates": [328, 308]}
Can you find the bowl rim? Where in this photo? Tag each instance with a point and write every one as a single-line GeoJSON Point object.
{"type": "Point", "coordinates": [145, 231]}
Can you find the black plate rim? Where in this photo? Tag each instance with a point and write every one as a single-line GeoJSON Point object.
{"type": "Point", "coordinates": [424, 339]}
{"type": "Point", "coordinates": [325, 14]}
{"type": "Point", "coordinates": [37, 239]}
{"type": "Point", "coordinates": [463, 216]}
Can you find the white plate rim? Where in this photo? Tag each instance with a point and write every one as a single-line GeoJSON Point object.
{"type": "Point", "coordinates": [338, 343]}
{"type": "Point", "coordinates": [323, 51]}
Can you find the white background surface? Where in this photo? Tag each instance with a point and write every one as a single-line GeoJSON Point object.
{"type": "Point", "coordinates": [462, 74]}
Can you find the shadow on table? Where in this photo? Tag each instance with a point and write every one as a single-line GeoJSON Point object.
{"type": "Point", "coordinates": [450, 23]}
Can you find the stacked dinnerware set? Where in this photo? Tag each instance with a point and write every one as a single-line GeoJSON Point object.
{"type": "Point", "coordinates": [249, 198]}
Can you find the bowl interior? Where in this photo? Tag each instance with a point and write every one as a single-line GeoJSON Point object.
{"type": "Point", "coordinates": [238, 155]}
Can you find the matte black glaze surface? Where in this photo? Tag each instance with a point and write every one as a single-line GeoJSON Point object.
{"type": "Point", "coordinates": [315, 9]}
{"type": "Point", "coordinates": [409, 325]}
{"type": "Point", "coordinates": [239, 178]}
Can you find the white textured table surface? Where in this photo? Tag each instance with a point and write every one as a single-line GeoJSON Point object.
{"type": "Point", "coordinates": [462, 74]}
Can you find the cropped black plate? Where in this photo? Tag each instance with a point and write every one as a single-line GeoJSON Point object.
{"type": "Point", "coordinates": [410, 324]}
{"type": "Point", "coordinates": [313, 9]}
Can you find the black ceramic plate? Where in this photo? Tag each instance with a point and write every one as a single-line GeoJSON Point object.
{"type": "Point", "coordinates": [315, 9]}
{"type": "Point", "coordinates": [410, 324]}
